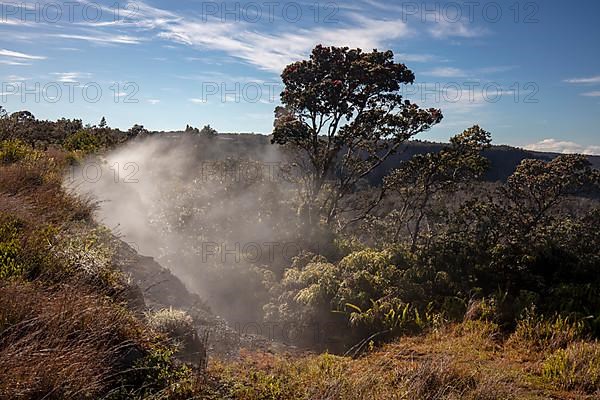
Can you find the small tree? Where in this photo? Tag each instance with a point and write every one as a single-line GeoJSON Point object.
{"type": "Point", "coordinates": [207, 130]}
{"type": "Point", "coordinates": [136, 131]}
{"type": "Point", "coordinates": [344, 114]}
{"type": "Point", "coordinates": [537, 188]}
{"type": "Point", "coordinates": [84, 140]}
{"type": "Point", "coordinates": [102, 123]}
{"type": "Point", "coordinates": [23, 125]}
{"type": "Point", "coordinates": [418, 181]}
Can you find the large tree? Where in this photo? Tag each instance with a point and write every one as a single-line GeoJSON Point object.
{"type": "Point", "coordinates": [344, 114]}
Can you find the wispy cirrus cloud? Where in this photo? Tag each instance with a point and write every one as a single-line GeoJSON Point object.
{"type": "Point", "coordinates": [417, 58]}
{"type": "Point", "coordinates": [446, 72]}
{"type": "Point", "coordinates": [452, 72]}
{"type": "Point", "coordinates": [563, 146]}
{"type": "Point", "coordinates": [273, 51]}
{"type": "Point", "coordinates": [19, 55]}
{"type": "Point", "coordinates": [444, 29]}
{"type": "Point", "coordinates": [16, 78]}
{"type": "Point", "coordinates": [269, 46]}
{"type": "Point", "coordinates": [588, 80]}
{"type": "Point", "coordinates": [71, 77]}
{"type": "Point", "coordinates": [591, 80]}
{"type": "Point", "coordinates": [10, 62]}
{"type": "Point", "coordinates": [101, 39]}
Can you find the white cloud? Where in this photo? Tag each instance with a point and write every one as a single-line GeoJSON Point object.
{"type": "Point", "coordinates": [101, 39]}
{"type": "Point", "coordinates": [22, 56]}
{"type": "Point", "coordinates": [592, 79]}
{"type": "Point", "coordinates": [153, 101]}
{"type": "Point", "coordinates": [71, 77]}
{"type": "Point", "coordinates": [446, 72]}
{"type": "Point", "coordinates": [404, 57]}
{"type": "Point", "coordinates": [268, 51]}
{"type": "Point", "coordinates": [562, 146]}
{"type": "Point", "coordinates": [595, 93]}
{"type": "Point", "coordinates": [273, 52]}
{"type": "Point", "coordinates": [13, 22]}
{"type": "Point", "coordinates": [9, 62]}
{"type": "Point", "coordinates": [15, 78]}
{"type": "Point", "coordinates": [496, 69]}
{"type": "Point", "coordinates": [198, 101]}
{"type": "Point", "coordinates": [444, 29]}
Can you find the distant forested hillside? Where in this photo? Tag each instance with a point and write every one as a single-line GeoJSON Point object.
{"type": "Point", "coordinates": [503, 159]}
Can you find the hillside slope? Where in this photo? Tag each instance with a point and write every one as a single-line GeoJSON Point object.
{"type": "Point", "coordinates": [503, 159]}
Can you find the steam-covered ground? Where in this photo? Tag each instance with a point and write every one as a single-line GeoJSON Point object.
{"type": "Point", "coordinates": [218, 220]}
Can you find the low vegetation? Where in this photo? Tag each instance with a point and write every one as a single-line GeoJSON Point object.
{"type": "Point", "coordinates": [470, 360]}
{"type": "Point", "coordinates": [66, 331]}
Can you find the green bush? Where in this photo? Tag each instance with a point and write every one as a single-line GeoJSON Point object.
{"type": "Point", "coordinates": [12, 151]}
{"type": "Point", "coordinates": [156, 375]}
{"type": "Point", "coordinates": [24, 250]}
{"type": "Point", "coordinates": [369, 291]}
{"type": "Point", "coordinates": [10, 248]}
{"type": "Point", "coordinates": [83, 141]}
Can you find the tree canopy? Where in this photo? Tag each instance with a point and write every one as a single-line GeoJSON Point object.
{"type": "Point", "coordinates": [344, 113]}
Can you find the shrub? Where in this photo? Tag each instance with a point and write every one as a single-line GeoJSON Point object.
{"type": "Point", "coordinates": [576, 367]}
{"type": "Point", "coordinates": [174, 323]}
{"type": "Point", "coordinates": [25, 250]}
{"type": "Point", "coordinates": [84, 141]}
{"type": "Point", "coordinates": [485, 309]}
{"type": "Point", "coordinates": [395, 317]}
{"type": "Point", "coordinates": [89, 253]}
{"type": "Point", "coordinates": [179, 327]}
{"type": "Point", "coordinates": [156, 375]}
{"type": "Point", "coordinates": [368, 292]}
{"type": "Point", "coordinates": [10, 247]}
{"type": "Point", "coordinates": [12, 151]}
{"type": "Point", "coordinates": [540, 333]}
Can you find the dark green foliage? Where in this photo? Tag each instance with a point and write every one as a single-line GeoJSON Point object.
{"type": "Point", "coordinates": [137, 131]}
{"type": "Point", "coordinates": [12, 151]}
{"type": "Point", "coordinates": [529, 242]}
{"type": "Point", "coordinates": [344, 101]}
{"type": "Point", "coordinates": [71, 134]}
{"type": "Point", "coordinates": [84, 141]}
{"type": "Point", "coordinates": [207, 130]}
{"type": "Point", "coordinates": [25, 250]}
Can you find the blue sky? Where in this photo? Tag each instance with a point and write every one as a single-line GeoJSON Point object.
{"type": "Point", "coordinates": [528, 71]}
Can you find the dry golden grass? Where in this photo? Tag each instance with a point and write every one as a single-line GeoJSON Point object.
{"type": "Point", "coordinates": [63, 342]}
{"type": "Point", "coordinates": [33, 189]}
{"type": "Point", "coordinates": [466, 361]}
